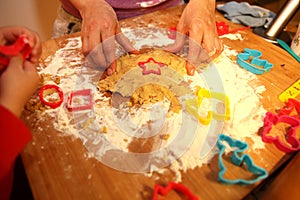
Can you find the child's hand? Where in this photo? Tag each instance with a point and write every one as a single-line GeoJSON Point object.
{"type": "Point", "coordinates": [9, 35]}
{"type": "Point", "coordinates": [19, 80]}
{"type": "Point", "coordinates": [17, 83]}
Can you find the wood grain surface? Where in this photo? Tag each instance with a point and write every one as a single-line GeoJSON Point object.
{"type": "Point", "coordinates": [58, 166]}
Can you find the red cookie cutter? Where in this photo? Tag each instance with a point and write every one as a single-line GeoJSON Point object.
{"type": "Point", "coordinates": [146, 69]}
{"type": "Point", "coordinates": [158, 189]}
{"type": "Point", "coordinates": [72, 106]}
{"type": "Point", "coordinates": [51, 104]}
{"type": "Point", "coordinates": [290, 105]}
{"type": "Point", "coordinates": [172, 33]}
{"type": "Point", "coordinates": [20, 46]}
{"type": "Point", "coordinates": [223, 28]}
{"type": "Point", "coordinates": [291, 137]}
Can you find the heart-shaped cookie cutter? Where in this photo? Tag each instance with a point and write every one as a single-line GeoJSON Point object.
{"type": "Point", "coordinates": [256, 65]}
{"type": "Point", "coordinates": [238, 160]}
{"type": "Point", "coordinates": [291, 137]}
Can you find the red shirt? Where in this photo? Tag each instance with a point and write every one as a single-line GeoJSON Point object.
{"type": "Point", "coordinates": [14, 137]}
{"type": "Point", "coordinates": [127, 8]}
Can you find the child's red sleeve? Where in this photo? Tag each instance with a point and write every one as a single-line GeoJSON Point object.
{"type": "Point", "coordinates": [14, 136]}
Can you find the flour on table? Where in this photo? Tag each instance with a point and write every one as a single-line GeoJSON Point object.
{"type": "Point", "coordinates": [231, 36]}
{"type": "Point", "coordinates": [242, 87]}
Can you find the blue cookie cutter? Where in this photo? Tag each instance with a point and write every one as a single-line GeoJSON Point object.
{"type": "Point", "coordinates": [256, 65]}
{"type": "Point", "coordinates": [238, 160]}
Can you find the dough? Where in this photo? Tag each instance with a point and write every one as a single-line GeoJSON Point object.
{"type": "Point", "coordinates": [160, 79]}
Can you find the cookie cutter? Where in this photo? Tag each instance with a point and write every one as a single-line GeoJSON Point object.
{"type": "Point", "coordinates": [290, 105]}
{"type": "Point", "coordinates": [149, 64]}
{"type": "Point", "coordinates": [21, 45]}
{"type": "Point", "coordinates": [223, 28]}
{"type": "Point", "coordinates": [256, 65]}
{"type": "Point", "coordinates": [158, 189]}
{"type": "Point", "coordinates": [290, 92]}
{"type": "Point", "coordinates": [193, 105]}
{"type": "Point", "coordinates": [172, 33]}
{"type": "Point", "coordinates": [291, 137]}
{"type": "Point", "coordinates": [87, 104]}
{"type": "Point", "coordinates": [238, 160]}
{"type": "Point", "coordinates": [52, 89]}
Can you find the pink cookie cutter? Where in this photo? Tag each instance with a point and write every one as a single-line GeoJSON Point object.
{"type": "Point", "coordinates": [291, 137]}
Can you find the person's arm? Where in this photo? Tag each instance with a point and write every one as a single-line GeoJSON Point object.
{"type": "Point", "coordinates": [198, 22]}
{"type": "Point", "coordinates": [18, 81]}
{"type": "Point", "coordinates": [99, 24]}
{"type": "Point", "coordinates": [14, 136]}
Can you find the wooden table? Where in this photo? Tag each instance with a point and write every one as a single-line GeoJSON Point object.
{"type": "Point", "coordinates": [58, 167]}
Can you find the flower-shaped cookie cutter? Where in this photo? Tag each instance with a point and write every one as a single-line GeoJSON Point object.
{"type": "Point", "coordinates": [238, 159]}
{"type": "Point", "coordinates": [21, 45]}
{"type": "Point", "coordinates": [158, 189]}
{"type": "Point", "coordinates": [193, 105]}
{"type": "Point", "coordinates": [291, 137]}
{"type": "Point", "coordinates": [256, 65]}
{"type": "Point", "coordinates": [151, 66]}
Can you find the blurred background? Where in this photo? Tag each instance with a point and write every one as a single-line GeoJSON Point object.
{"type": "Point", "coordinates": [38, 15]}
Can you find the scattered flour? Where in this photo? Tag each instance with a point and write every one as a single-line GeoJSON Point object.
{"type": "Point", "coordinates": [231, 36]}
{"type": "Point", "coordinates": [241, 86]}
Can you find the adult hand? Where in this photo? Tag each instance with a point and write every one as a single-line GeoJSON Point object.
{"type": "Point", "coordinates": [17, 83]}
{"type": "Point", "coordinates": [198, 22]}
{"type": "Point", "coordinates": [99, 24]}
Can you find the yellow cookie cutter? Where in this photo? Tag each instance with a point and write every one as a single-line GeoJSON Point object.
{"type": "Point", "coordinates": [194, 104]}
{"type": "Point", "coordinates": [290, 92]}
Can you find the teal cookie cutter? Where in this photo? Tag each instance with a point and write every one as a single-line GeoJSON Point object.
{"type": "Point", "coordinates": [255, 64]}
{"type": "Point", "coordinates": [238, 160]}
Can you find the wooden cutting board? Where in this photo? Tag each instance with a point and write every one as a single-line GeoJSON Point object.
{"type": "Point", "coordinates": [58, 166]}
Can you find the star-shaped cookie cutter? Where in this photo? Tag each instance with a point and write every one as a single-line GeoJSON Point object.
{"type": "Point", "coordinates": [158, 189]}
{"type": "Point", "coordinates": [193, 105]}
{"type": "Point", "coordinates": [255, 64]}
{"type": "Point", "coordinates": [291, 137]}
{"type": "Point", "coordinates": [238, 160]}
{"type": "Point", "coordinates": [151, 63]}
